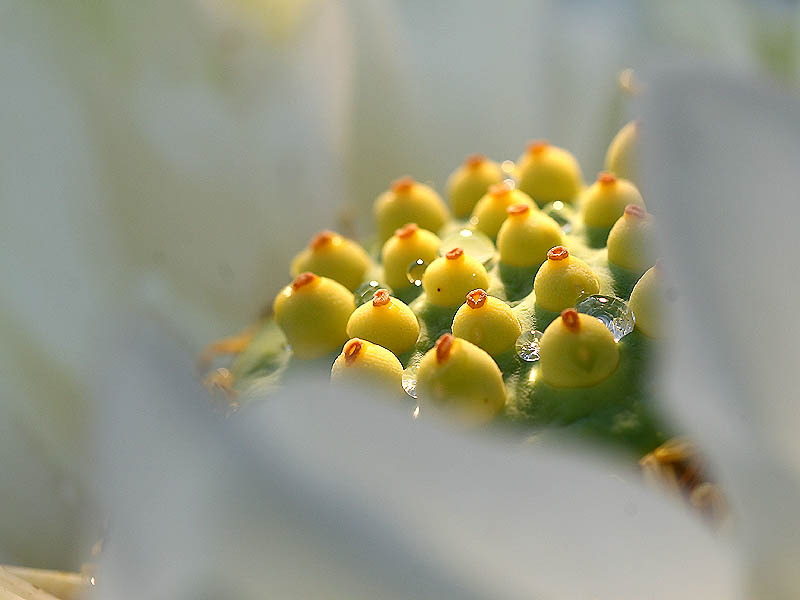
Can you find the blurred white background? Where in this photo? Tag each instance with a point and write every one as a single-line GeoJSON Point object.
{"type": "Point", "coordinates": [163, 161]}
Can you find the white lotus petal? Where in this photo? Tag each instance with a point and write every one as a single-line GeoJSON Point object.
{"type": "Point", "coordinates": [313, 494]}
{"type": "Point", "coordinates": [721, 156]}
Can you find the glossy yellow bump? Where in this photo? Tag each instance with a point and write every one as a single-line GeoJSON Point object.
{"type": "Point", "coordinates": [646, 303]}
{"type": "Point", "coordinates": [492, 209]}
{"type": "Point", "coordinates": [576, 350]}
{"type": "Point", "coordinates": [526, 236]}
{"type": "Point", "coordinates": [451, 277]}
{"type": "Point", "coordinates": [368, 365]}
{"type": "Point", "coordinates": [622, 157]}
{"type": "Point", "coordinates": [630, 241]}
{"type": "Point", "coordinates": [407, 245]}
{"type": "Point", "coordinates": [409, 202]}
{"type": "Point", "coordinates": [312, 312]}
{"type": "Point", "coordinates": [487, 322]}
{"type": "Point", "coordinates": [548, 173]}
{"type": "Point", "coordinates": [333, 256]}
{"type": "Point", "coordinates": [605, 200]}
{"type": "Point", "coordinates": [458, 379]}
{"type": "Point", "coordinates": [562, 279]}
{"type": "Point", "coordinates": [385, 321]}
{"type": "Point", "coordinates": [469, 182]}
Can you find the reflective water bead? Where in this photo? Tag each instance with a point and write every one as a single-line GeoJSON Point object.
{"type": "Point", "coordinates": [475, 243]}
{"type": "Point", "coordinates": [528, 345]}
{"type": "Point", "coordinates": [613, 312]}
{"type": "Point", "coordinates": [366, 291]}
{"type": "Point", "coordinates": [410, 382]}
{"type": "Point", "coordinates": [415, 272]}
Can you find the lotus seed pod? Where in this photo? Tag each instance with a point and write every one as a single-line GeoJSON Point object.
{"type": "Point", "coordinates": [622, 157]}
{"type": "Point", "coordinates": [562, 279]}
{"type": "Point", "coordinates": [469, 182]}
{"type": "Point", "coordinates": [577, 350]}
{"type": "Point", "coordinates": [492, 209]}
{"type": "Point", "coordinates": [451, 277]}
{"type": "Point", "coordinates": [408, 244]}
{"type": "Point", "coordinates": [487, 322]}
{"type": "Point", "coordinates": [630, 242]}
{"type": "Point", "coordinates": [548, 173]}
{"type": "Point", "coordinates": [409, 202]}
{"type": "Point", "coordinates": [605, 200]}
{"type": "Point", "coordinates": [312, 312]}
{"type": "Point", "coordinates": [459, 379]}
{"type": "Point", "coordinates": [368, 365]}
{"type": "Point", "coordinates": [646, 302]}
{"type": "Point", "coordinates": [526, 236]}
{"type": "Point", "coordinates": [385, 321]}
{"type": "Point", "coordinates": [333, 256]}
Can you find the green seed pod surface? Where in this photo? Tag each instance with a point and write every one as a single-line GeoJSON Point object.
{"type": "Point", "coordinates": [333, 256]}
{"type": "Point", "coordinates": [385, 321]}
{"type": "Point", "coordinates": [408, 244]}
{"type": "Point", "coordinates": [458, 379]}
{"type": "Point", "coordinates": [492, 209]}
{"type": "Point", "coordinates": [409, 202]}
{"type": "Point", "coordinates": [646, 302]}
{"type": "Point", "coordinates": [469, 182]}
{"type": "Point", "coordinates": [312, 312]}
{"type": "Point", "coordinates": [605, 200]}
{"type": "Point", "coordinates": [622, 157]}
{"type": "Point", "coordinates": [548, 173]}
{"type": "Point", "coordinates": [526, 236]}
{"type": "Point", "coordinates": [487, 322]}
{"type": "Point", "coordinates": [562, 279]}
{"type": "Point", "coordinates": [630, 242]}
{"type": "Point", "coordinates": [368, 365]}
{"type": "Point", "coordinates": [577, 350]}
{"type": "Point", "coordinates": [451, 277]}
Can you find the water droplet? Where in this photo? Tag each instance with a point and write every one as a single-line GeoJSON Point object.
{"type": "Point", "coordinates": [528, 345]}
{"type": "Point", "coordinates": [507, 166]}
{"type": "Point", "coordinates": [410, 383]}
{"type": "Point", "coordinates": [415, 271]}
{"type": "Point", "coordinates": [366, 291]}
{"type": "Point", "coordinates": [562, 213]}
{"type": "Point", "coordinates": [613, 312]}
{"type": "Point", "coordinates": [474, 243]}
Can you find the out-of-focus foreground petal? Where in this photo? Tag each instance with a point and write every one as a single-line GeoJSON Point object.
{"type": "Point", "coordinates": [154, 158]}
{"type": "Point", "coordinates": [314, 494]}
{"type": "Point", "coordinates": [722, 155]}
